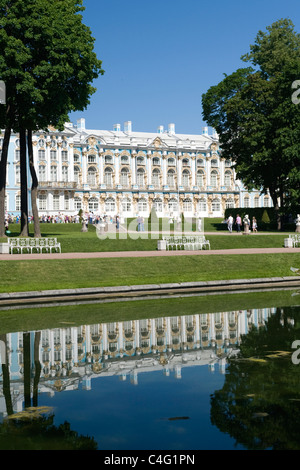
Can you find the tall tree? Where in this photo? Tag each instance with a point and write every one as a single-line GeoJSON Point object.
{"type": "Point", "coordinates": [256, 119]}
{"type": "Point", "coordinates": [48, 64]}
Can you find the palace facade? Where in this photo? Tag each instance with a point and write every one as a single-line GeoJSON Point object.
{"type": "Point", "coordinates": [129, 173]}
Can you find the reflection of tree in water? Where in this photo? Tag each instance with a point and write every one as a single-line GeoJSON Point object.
{"type": "Point", "coordinates": [259, 404]}
{"type": "Point", "coordinates": [33, 429]}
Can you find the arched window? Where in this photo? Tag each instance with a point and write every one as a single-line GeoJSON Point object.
{"type": "Point", "coordinates": [124, 180]}
{"type": "Point", "coordinates": [158, 205]}
{"type": "Point", "coordinates": [227, 178]}
{"type": "Point", "coordinates": [108, 177]}
{"type": "Point", "coordinates": [140, 161]}
{"type": "Point", "coordinates": [200, 178]}
{"type": "Point", "coordinates": [93, 204]}
{"type": "Point", "coordinates": [76, 174]}
{"type": "Point", "coordinates": [42, 173]}
{"type": "Point", "coordinates": [246, 201]}
{"type": "Point", "coordinates": [124, 159]}
{"type": "Point", "coordinates": [108, 159]}
{"type": "Point", "coordinates": [185, 178]}
{"type": "Point", "coordinates": [126, 205]}
{"type": "Point", "coordinates": [142, 205]}
{"type": "Point", "coordinates": [171, 161]}
{"type": "Point", "coordinates": [91, 158]}
{"type": "Point", "coordinates": [91, 176]}
{"type": "Point", "coordinates": [77, 203]}
{"type": "Point", "coordinates": [171, 179]}
{"type": "Point", "coordinates": [185, 162]}
{"type": "Point", "coordinates": [187, 205]}
{"type": "Point", "coordinates": [155, 161]}
{"type": "Point", "coordinates": [53, 173]}
{"type": "Point", "coordinates": [202, 205]}
{"type": "Point", "coordinates": [110, 205]}
{"type": "Point", "coordinates": [200, 162]}
{"type": "Point", "coordinates": [214, 178]}
{"type": "Point", "coordinates": [173, 205]}
{"type": "Point", "coordinates": [155, 178]}
{"type": "Point", "coordinates": [214, 163]}
{"type": "Point", "coordinates": [256, 201]}
{"type": "Point", "coordinates": [229, 203]}
{"type": "Point", "coordinates": [140, 177]}
{"type": "Point", "coordinates": [266, 201]}
{"type": "Point", "coordinates": [216, 206]}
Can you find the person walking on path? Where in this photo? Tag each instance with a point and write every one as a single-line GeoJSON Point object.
{"type": "Point", "coordinates": [238, 222]}
{"type": "Point", "coordinates": [230, 223]}
{"type": "Point", "coordinates": [254, 224]}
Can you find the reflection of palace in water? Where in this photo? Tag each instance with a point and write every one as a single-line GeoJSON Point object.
{"type": "Point", "coordinates": [71, 357]}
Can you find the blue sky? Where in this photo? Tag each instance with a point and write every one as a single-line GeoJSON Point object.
{"type": "Point", "coordinates": [160, 56]}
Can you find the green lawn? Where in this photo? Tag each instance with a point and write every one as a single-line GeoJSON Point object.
{"type": "Point", "coordinates": [73, 240]}
{"type": "Point", "coordinates": [66, 274]}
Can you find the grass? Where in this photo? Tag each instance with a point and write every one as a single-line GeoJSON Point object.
{"type": "Point", "coordinates": [80, 273]}
{"type": "Point", "coordinates": [73, 240]}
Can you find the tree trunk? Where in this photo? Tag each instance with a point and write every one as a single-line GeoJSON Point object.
{"type": "Point", "coordinates": [3, 168]}
{"type": "Point", "coordinates": [274, 197]}
{"type": "Point", "coordinates": [34, 187]}
{"type": "Point", "coordinates": [24, 185]}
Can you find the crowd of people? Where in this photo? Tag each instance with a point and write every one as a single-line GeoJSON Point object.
{"type": "Point", "coordinates": [238, 222]}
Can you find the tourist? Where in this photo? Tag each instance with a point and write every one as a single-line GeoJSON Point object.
{"type": "Point", "coordinates": [238, 222]}
{"type": "Point", "coordinates": [230, 223]}
{"type": "Point", "coordinates": [254, 224]}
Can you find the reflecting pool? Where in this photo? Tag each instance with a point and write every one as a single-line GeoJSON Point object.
{"type": "Point", "coordinates": [223, 380]}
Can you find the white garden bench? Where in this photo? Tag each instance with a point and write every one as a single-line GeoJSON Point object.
{"type": "Point", "coordinates": [191, 243]}
{"type": "Point", "coordinates": [19, 245]}
{"type": "Point", "coordinates": [295, 240]}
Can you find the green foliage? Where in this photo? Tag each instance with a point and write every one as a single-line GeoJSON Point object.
{"type": "Point", "coordinates": [47, 61]}
{"type": "Point", "coordinates": [253, 113]}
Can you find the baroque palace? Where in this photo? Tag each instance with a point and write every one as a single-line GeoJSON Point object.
{"type": "Point", "coordinates": [129, 173]}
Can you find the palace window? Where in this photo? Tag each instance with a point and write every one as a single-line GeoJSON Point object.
{"type": "Point", "coordinates": [77, 203]}
{"type": "Point", "coordinates": [66, 202]}
{"type": "Point", "coordinates": [140, 161]}
{"type": "Point", "coordinates": [155, 178]}
{"type": "Point", "coordinates": [18, 174]}
{"type": "Point", "coordinates": [91, 176]}
{"type": "Point", "coordinates": [53, 173]}
{"type": "Point", "coordinates": [200, 162]}
{"type": "Point", "coordinates": [246, 202]}
{"type": "Point", "coordinates": [17, 155]}
{"type": "Point", "coordinates": [126, 205]}
{"type": "Point", "coordinates": [108, 177]}
{"type": "Point", "coordinates": [155, 161]}
{"type": "Point", "coordinates": [216, 206]}
{"type": "Point", "coordinates": [227, 178]}
{"type": "Point", "coordinates": [18, 203]}
{"type": "Point", "coordinates": [140, 177]}
{"type": "Point", "coordinates": [41, 155]}
{"type": "Point", "coordinates": [124, 159]}
{"type": "Point", "coordinates": [56, 202]}
{"type": "Point", "coordinates": [93, 204]}
{"type": "Point", "coordinates": [171, 179]}
{"type": "Point", "coordinates": [171, 161]}
{"type": "Point", "coordinates": [229, 203]}
{"type": "Point", "coordinates": [201, 206]}
{"type": "Point", "coordinates": [200, 179]}
{"type": "Point", "coordinates": [158, 205]}
{"type": "Point", "coordinates": [52, 154]}
{"type": "Point", "coordinates": [185, 162]}
{"type": "Point", "coordinates": [185, 178]}
{"type": "Point", "coordinates": [124, 180]}
{"type": "Point", "coordinates": [42, 173]}
{"type": "Point", "coordinates": [173, 205]}
{"type": "Point", "coordinates": [64, 156]}
{"type": "Point", "coordinates": [266, 201]}
{"type": "Point", "coordinates": [64, 174]}
{"type": "Point", "coordinates": [42, 202]}
{"type": "Point", "coordinates": [214, 178]}
{"type": "Point", "coordinates": [110, 205]}
{"type": "Point", "coordinates": [76, 174]}
{"type": "Point", "coordinates": [108, 159]}
{"type": "Point", "coordinates": [256, 201]}
{"type": "Point", "coordinates": [187, 205]}
{"type": "Point", "coordinates": [214, 163]}
{"type": "Point", "coordinates": [142, 205]}
{"type": "Point", "coordinates": [91, 158]}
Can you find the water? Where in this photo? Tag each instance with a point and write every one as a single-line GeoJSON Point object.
{"type": "Point", "coordinates": [225, 380]}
